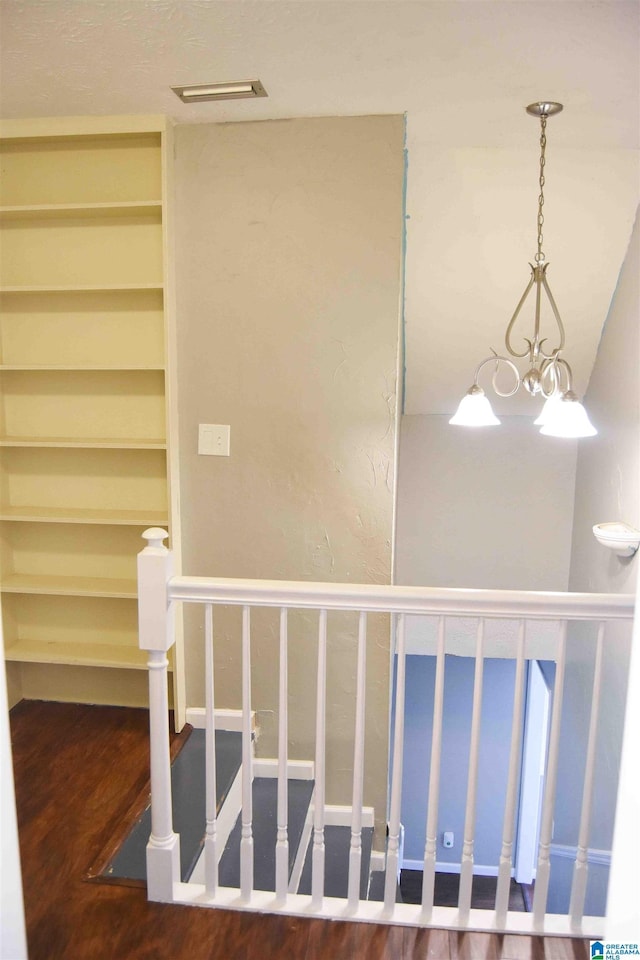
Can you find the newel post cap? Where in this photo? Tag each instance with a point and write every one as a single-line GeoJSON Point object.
{"type": "Point", "coordinates": [154, 537]}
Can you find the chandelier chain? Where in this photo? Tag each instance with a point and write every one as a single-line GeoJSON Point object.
{"type": "Point", "coordinates": [540, 258]}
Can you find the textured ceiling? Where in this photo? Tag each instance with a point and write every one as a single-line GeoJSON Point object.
{"type": "Point", "coordinates": [461, 70]}
{"type": "Point", "coordinates": [463, 65]}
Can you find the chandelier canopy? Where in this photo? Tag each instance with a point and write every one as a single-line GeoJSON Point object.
{"type": "Point", "coordinates": [548, 374]}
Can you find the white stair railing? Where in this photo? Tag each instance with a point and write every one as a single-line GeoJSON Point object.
{"type": "Point", "coordinates": [159, 590]}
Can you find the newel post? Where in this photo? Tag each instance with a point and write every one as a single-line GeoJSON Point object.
{"type": "Point", "coordinates": [156, 634]}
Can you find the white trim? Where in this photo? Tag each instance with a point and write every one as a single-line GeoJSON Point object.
{"type": "Point", "coordinates": [83, 126]}
{"type": "Point", "coordinates": [225, 822]}
{"type": "Point", "coordinates": [339, 815]}
{"type": "Point", "coordinates": [386, 598]}
{"type": "Point", "coordinates": [296, 769]}
{"type": "Point", "coordinates": [372, 911]}
{"type": "Point", "coordinates": [377, 862]}
{"type": "Point", "coordinates": [567, 852]}
{"type": "Point", "coordinates": [225, 720]}
{"type": "Point", "coordinates": [561, 850]}
{"type": "Point", "coordinates": [303, 846]}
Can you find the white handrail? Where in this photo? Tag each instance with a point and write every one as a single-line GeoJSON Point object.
{"type": "Point", "coordinates": [384, 598]}
{"type": "Point", "coordinates": [159, 590]}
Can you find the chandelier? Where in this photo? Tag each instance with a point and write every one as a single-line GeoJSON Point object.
{"type": "Point", "coordinates": [548, 374]}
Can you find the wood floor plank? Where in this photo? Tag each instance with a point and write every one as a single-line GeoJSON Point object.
{"type": "Point", "coordinates": [340, 940]}
{"type": "Point", "coordinates": [491, 946]}
{"type": "Point", "coordinates": [425, 944]}
{"type": "Point", "coordinates": [78, 770]}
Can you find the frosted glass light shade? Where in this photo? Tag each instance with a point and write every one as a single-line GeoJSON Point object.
{"type": "Point", "coordinates": [547, 412]}
{"type": "Point", "coordinates": [568, 418]}
{"type": "Point", "coordinates": [474, 411]}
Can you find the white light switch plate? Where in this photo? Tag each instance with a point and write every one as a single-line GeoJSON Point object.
{"type": "Point", "coordinates": [214, 439]}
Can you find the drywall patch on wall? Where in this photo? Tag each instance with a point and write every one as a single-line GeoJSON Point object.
{"type": "Point", "coordinates": [288, 284]}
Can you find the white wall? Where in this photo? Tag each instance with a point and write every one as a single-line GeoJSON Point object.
{"type": "Point", "coordinates": [488, 508]}
{"type": "Point", "coordinates": [13, 941]}
{"type": "Point", "coordinates": [607, 488]}
{"type": "Point", "coordinates": [471, 234]}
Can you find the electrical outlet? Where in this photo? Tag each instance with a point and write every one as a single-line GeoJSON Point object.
{"type": "Point", "coordinates": [214, 439]}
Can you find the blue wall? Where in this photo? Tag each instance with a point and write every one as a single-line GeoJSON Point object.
{"type": "Point", "coordinates": [497, 707]}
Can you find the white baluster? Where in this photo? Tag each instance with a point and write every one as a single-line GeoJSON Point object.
{"type": "Point", "coordinates": [393, 840]}
{"type": "Point", "coordinates": [466, 867]}
{"type": "Point", "coordinates": [246, 842]}
{"type": "Point", "coordinates": [317, 859]}
{"type": "Point", "coordinates": [155, 634]}
{"type": "Point", "coordinates": [429, 874]}
{"type": "Point", "coordinates": [282, 840]}
{"type": "Point", "coordinates": [211, 839]}
{"type": "Point", "coordinates": [513, 783]}
{"type": "Point", "coordinates": [543, 869]}
{"type": "Point", "coordinates": [355, 850]}
{"type": "Point", "coordinates": [581, 868]}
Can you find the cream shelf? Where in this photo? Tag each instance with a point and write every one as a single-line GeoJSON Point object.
{"type": "Point", "coordinates": [77, 287]}
{"type": "Point", "coordinates": [77, 654]}
{"type": "Point", "coordinates": [34, 514]}
{"type": "Point", "coordinates": [82, 329]}
{"type": "Point", "coordinates": [69, 586]}
{"type": "Point", "coordinates": [80, 368]}
{"type": "Point", "coordinates": [84, 443]}
{"type": "Point", "coordinates": [85, 458]}
{"type": "Point", "coordinates": [54, 211]}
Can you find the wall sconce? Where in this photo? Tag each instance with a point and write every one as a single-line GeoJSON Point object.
{"type": "Point", "coordinates": [619, 537]}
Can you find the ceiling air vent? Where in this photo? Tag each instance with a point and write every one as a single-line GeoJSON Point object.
{"type": "Point", "coordinates": [220, 91]}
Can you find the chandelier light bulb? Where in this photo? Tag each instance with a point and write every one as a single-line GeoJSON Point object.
{"type": "Point", "coordinates": [474, 410]}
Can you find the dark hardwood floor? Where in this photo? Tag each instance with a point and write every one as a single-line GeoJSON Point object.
{"type": "Point", "coordinates": [80, 771]}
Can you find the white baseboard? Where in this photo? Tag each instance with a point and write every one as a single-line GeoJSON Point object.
{"type": "Point", "coordinates": [567, 852]}
{"type": "Point", "coordinates": [296, 769]}
{"type": "Point", "coordinates": [561, 850]}
{"type": "Point", "coordinates": [301, 854]}
{"type": "Point", "coordinates": [337, 815]}
{"type": "Point", "coordinates": [378, 861]}
{"type": "Point", "coordinates": [225, 719]}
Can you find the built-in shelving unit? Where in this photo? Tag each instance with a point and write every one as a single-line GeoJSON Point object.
{"type": "Point", "coordinates": [85, 369]}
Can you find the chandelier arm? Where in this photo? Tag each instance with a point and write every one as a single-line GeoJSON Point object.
{"type": "Point", "coordinates": [498, 360]}
{"type": "Point", "coordinates": [556, 314]}
{"type": "Point", "coordinates": [567, 369]}
{"type": "Point", "coordinates": [551, 369]}
{"type": "Point", "coordinates": [536, 322]}
{"type": "Point", "coordinates": [507, 336]}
